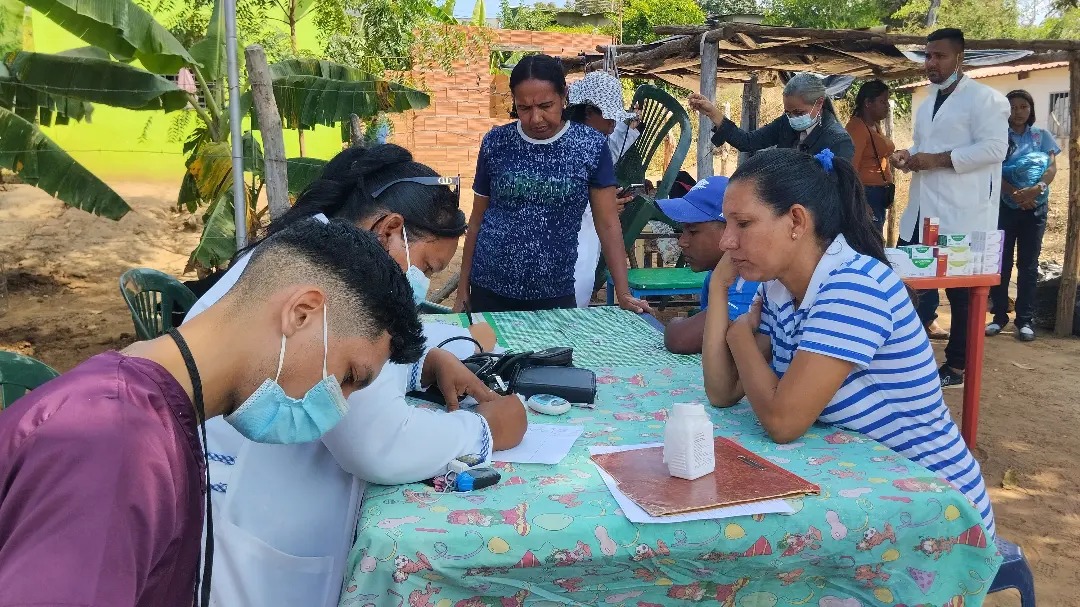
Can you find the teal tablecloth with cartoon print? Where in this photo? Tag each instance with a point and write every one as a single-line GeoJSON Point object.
{"type": "Point", "coordinates": [883, 532]}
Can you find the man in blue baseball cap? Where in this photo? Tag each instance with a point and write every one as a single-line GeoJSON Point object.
{"type": "Point", "coordinates": [701, 213]}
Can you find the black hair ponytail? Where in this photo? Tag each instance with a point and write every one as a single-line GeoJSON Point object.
{"type": "Point", "coordinates": [827, 186]}
{"type": "Point", "coordinates": [343, 192]}
{"type": "Point", "coordinates": [857, 223]}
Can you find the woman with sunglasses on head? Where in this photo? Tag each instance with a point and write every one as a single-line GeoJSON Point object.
{"type": "Point", "coordinates": [834, 336]}
{"type": "Point", "coordinates": [808, 124]}
{"type": "Point", "coordinates": [534, 179]}
{"type": "Point", "coordinates": [296, 553]}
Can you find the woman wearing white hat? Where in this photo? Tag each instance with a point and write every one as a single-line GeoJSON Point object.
{"type": "Point", "coordinates": [596, 100]}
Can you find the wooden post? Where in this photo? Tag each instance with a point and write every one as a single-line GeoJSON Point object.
{"type": "Point", "coordinates": [751, 105]}
{"type": "Point", "coordinates": [1067, 294]}
{"type": "Point", "coordinates": [710, 52]}
{"type": "Point", "coordinates": [356, 133]}
{"type": "Point", "coordinates": [262, 93]}
{"type": "Point", "coordinates": [893, 214]}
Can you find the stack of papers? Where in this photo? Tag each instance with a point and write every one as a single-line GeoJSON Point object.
{"type": "Point", "coordinates": [543, 444]}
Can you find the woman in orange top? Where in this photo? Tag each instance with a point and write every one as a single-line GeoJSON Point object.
{"type": "Point", "coordinates": [872, 147]}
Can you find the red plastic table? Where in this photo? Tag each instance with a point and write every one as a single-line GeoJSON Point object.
{"type": "Point", "coordinates": [979, 286]}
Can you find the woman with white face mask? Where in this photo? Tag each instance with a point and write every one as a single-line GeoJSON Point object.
{"type": "Point", "coordinates": [285, 515]}
{"type": "Point", "coordinates": [596, 100]}
{"type": "Point", "coordinates": [808, 124]}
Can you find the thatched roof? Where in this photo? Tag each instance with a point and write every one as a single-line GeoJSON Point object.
{"type": "Point", "coordinates": [767, 51]}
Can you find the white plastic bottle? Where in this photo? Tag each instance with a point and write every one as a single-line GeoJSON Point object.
{"type": "Point", "coordinates": [688, 442]}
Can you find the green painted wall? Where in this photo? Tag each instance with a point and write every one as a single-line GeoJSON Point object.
{"type": "Point", "coordinates": [125, 145]}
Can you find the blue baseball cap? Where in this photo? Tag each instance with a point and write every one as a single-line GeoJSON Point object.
{"type": "Point", "coordinates": [704, 202]}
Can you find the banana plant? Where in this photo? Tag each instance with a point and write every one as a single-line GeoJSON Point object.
{"type": "Point", "coordinates": [128, 54]}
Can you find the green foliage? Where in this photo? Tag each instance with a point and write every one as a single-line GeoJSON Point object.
{"type": "Point", "coordinates": [395, 35]}
{"type": "Point", "coordinates": [827, 14]}
{"type": "Point", "coordinates": [641, 16]}
{"type": "Point", "coordinates": [978, 18]}
{"type": "Point", "coordinates": [39, 162]}
{"type": "Point", "coordinates": [729, 7]}
{"type": "Point", "coordinates": [122, 28]}
{"type": "Point", "coordinates": [1065, 26]}
{"type": "Point", "coordinates": [11, 18]}
{"type": "Point", "coordinates": [535, 18]}
{"type": "Point", "coordinates": [479, 15]}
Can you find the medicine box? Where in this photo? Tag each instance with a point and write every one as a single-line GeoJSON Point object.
{"type": "Point", "coordinates": [954, 240]}
{"type": "Point", "coordinates": [930, 228]}
{"type": "Point", "coordinates": [907, 267]}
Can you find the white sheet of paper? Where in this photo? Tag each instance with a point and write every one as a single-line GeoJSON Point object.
{"type": "Point", "coordinates": [543, 444]}
{"type": "Point", "coordinates": [635, 513]}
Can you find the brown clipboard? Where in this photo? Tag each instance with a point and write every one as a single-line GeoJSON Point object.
{"type": "Point", "coordinates": [740, 477]}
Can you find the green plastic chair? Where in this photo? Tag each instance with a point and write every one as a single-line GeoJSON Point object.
{"type": "Point", "coordinates": [153, 297]}
{"type": "Point", "coordinates": [20, 374]}
{"type": "Point", "coordinates": [660, 113]}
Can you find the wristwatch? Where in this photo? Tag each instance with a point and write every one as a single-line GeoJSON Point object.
{"type": "Point", "coordinates": [1042, 186]}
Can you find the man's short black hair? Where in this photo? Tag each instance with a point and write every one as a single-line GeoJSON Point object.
{"type": "Point", "coordinates": [948, 33]}
{"type": "Point", "coordinates": [367, 293]}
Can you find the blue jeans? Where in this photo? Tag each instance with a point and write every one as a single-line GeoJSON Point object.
{"type": "Point", "coordinates": [877, 196]}
{"type": "Point", "coordinates": [1023, 236]}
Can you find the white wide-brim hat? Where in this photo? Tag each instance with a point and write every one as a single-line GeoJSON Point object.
{"type": "Point", "coordinates": [602, 90]}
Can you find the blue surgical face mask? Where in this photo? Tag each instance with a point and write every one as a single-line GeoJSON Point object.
{"type": "Point", "coordinates": [951, 80]}
{"type": "Point", "coordinates": [419, 281]}
{"type": "Point", "coordinates": [271, 416]}
{"type": "Point", "coordinates": [805, 122]}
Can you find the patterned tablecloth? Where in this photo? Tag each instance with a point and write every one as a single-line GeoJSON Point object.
{"type": "Point", "coordinates": [883, 532]}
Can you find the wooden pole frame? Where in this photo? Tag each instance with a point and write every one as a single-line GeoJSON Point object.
{"type": "Point", "coordinates": [751, 106]}
{"type": "Point", "coordinates": [1067, 294]}
{"type": "Point", "coordinates": [710, 53]}
{"type": "Point", "coordinates": [262, 94]}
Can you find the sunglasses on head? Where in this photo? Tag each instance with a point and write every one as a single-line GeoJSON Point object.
{"type": "Point", "coordinates": [432, 181]}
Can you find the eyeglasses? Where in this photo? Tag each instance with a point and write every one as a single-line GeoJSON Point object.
{"type": "Point", "coordinates": [433, 181]}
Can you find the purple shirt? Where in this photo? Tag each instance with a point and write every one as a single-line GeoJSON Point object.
{"type": "Point", "coordinates": [101, 481]}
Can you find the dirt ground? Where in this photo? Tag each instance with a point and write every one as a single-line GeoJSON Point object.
{"type": "Point", "coordinates": [64, 305]}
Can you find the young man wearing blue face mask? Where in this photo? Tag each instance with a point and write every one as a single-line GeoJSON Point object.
{"type": "Point", "coordinates": [103, 472]}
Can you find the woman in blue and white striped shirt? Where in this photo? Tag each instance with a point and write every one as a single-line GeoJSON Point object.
{"type": "Point", "coordinates": [834, 336]}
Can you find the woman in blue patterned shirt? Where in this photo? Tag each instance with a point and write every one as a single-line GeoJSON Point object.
{"type": "Point", "coordinates": [534, 178]}
{"type": "Point", "coordinates": [834, 337]}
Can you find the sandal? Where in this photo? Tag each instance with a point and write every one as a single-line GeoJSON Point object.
{"type": "Point", "coordinates": [936, 333]}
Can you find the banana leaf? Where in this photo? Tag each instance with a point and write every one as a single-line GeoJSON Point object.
{"type": "Point", "coordinates": [122, 28]}
{"type": "Point", "coordinates": [95, 80]}
{"type": "Point", "coordinates": [310, 92]}
{"type": "Point", "coordinates": [217, 244]}
{"type": "Point", "coordinates": [301, 171]}
{"type": "Point", "coordinates": [210, 51]}
{"type": "Point", "coordinates": [39, 162]}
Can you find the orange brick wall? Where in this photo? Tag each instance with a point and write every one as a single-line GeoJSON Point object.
{"type": "Point", "coordinates": [447, 134]}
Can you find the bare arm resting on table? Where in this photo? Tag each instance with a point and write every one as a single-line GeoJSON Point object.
{"type": "Point", "coordinates": [685, 335]}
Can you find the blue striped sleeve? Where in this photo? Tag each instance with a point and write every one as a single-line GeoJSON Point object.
{"type": "Point", "coordinates": [839, 324]}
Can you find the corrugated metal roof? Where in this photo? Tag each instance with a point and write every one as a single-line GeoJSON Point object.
{"type": "Point", "coordinates": [997, 70]}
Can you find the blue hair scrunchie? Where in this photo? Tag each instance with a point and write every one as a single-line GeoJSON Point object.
{"type": "Point", "coordinates": [825, 159]}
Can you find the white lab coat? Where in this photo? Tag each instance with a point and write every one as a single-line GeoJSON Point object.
{"type": "Point", "coordinates": [285, 524]}
{"type": "Point", "coordinates": [588, 258]}
{"type": "Point", "coordinates": [972, 124]}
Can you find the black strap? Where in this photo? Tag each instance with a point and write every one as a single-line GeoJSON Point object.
{"type": "Point", "coordinates": [874, 146]}
{"type": "Point", "coordinates": [202, 583]}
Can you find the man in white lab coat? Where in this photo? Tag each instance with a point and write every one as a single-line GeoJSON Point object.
{"type": "Point", "coordinates": [961, 137]}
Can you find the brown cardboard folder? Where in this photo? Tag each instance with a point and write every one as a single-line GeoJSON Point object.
{"type": "Point", "coordinates": [740, 478]}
